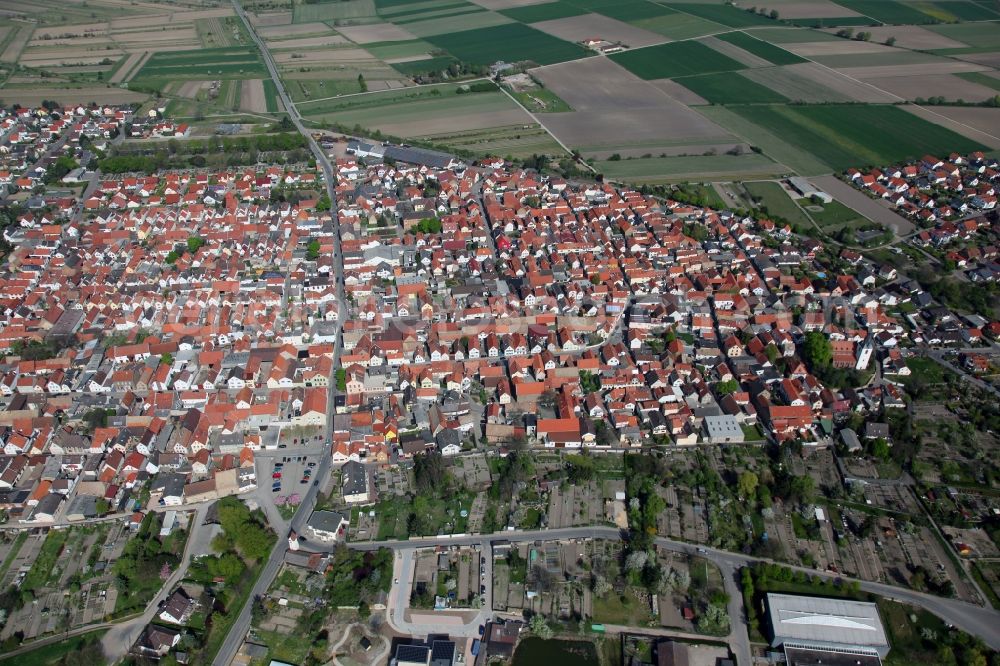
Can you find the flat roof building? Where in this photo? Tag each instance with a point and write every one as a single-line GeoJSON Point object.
{"type": "Point", "coordinates": [840, 626]}
{"type": "Point", "coordinates": [724, 429]}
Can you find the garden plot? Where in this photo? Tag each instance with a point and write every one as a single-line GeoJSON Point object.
{"type": "Point", "coordinates": [948, 86]}
{"type": "Point", "coordinates": [614, 108]}
{"type": "Point", "coordinates": [376, 32]}
{"type": "Point", "coordinates": [596, 26]}
{"type": "Point", "coordinates": [809, 82]}
{"type": "Point", "coordinates": [173, 38]}
{"type": "Point", "coordinates": [69, 56]}
{"type": "Point", "coordinates": [57, 32]}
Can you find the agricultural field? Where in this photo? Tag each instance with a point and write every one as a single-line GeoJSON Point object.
{"type": "Point", "coordinates": [730, 88]}
{"type": "Point", "coordinates": [624, 112]}
{"type": "Point", "coordinates": [667, 61]}
{"type": "Point", "coordinates": [769, 52]}
{"type": "Point", "coordinates": [678, 169]}
{"type": "Point", "coordinates": [510, 42]}
{"type": "Point", "coordinates": [848, 135]}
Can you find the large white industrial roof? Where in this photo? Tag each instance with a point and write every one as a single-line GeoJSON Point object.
{"type": "Point", "coordinates": [826, 620]}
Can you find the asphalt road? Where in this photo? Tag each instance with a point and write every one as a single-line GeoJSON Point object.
{"type": "Point", "coordinates": [241, 627]}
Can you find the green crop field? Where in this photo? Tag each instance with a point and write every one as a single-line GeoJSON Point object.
{"type": "Point", "coordinates": [436, 14]}
{"type": "Point", "coordinates": [406, 12]}
{"type": "Point", "coordinates": [544, 12]}
{"type": "Point", "coordinates": [631, 11]}
{"type": "Point", "coordinates": [271, 95]}
{"type": "Point", "coordinates": [677, 169]}
{"type": "Point", "coordinates": [730, 88]}
{"type": "Point", "coordinates": [849, 135]}
{"type": "Point", "coordinates": [830, 21]}
{"type": "Point", "coordinates": [724, 14]}
{"type": "Point", "coordinates": [512, 42]}
{"type": "Point", "coordinates": [380, 99]}
{"type": "Point", "coordinates": [414, 67]}
{"type": "Point", "coordinates": [773, 54]}
{"type": "Point", "coordinates": [329, 11]}
{"type": "Point", "coordinates": [973, 34]}
{"type": "Point", "coordinates": [406, 49]}
{"type": "Point", "coordinates": [665, 61]}
{"type": "Point", "coordinates": [679, 26]}
{"type": "Point", "coordinates": [981, 79]}
{"type": "Point", "coordinates": [220, 63]}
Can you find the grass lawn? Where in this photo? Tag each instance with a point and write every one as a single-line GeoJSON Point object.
{"type": "Point", "coordinates": [46, 560]}
{"type": "Point", "coordinates": [666, 61]}
{"type": "Point", "coordinates": [541, 100]}
{"type": "Point", "coordinates": [924, 370]}
{"type": "Point", "coordinates": [856, 134]}
{"type": "Point", "coordinates": [513, 42]}
{"type": "Point", "coordinates": [54, 652]}
{"type": "Point", "coordinates": [611, 609]}
{"type": "Point", "coordinates": [762, 49]}
{"type": "Point", "coordinates": [835, 214]}
{"type": "Point", "coordinates": [751, 433]}
{"type": "Point", "coordinates": [287, 648]}
{"type": "Point", "coordinates": [730, 88]}
{"type": "Point", "coordinates": [773, 199]}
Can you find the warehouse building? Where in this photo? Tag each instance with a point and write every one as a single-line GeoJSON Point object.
{"type": "Point", "coordinates": [814, 630]}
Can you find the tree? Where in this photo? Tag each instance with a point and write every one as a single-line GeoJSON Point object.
{"type": "Point", "coordinates": [167, 358]}
{"type": "Point", "coordinates": [747, 484]}
{"type": "Point", "coordinates": [540, 627]}
{"type": "Point", "coordinates": [880, 449]}
{"type": "Point", "coordinates": [589, 382]}
{"type": "Point", "coordinates": [102, 506]}
{"type": "Point", "coordinates": [195, 243]}
{"type": "Point", "coordinates": [891, 41]}
{"type": "Point", "coordinates": [817, 350]}
{"type": "Point", "coordinates": [341, 379]}
{"type": "Point", "coordinates": [727, 387]}
{"type": "Point", "coordinates": [312, 251]}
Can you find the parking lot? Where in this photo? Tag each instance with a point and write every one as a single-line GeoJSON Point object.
{"type": "Point", "coordinates": [292, 467]}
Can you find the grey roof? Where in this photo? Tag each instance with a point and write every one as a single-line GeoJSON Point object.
{"type": "Point", "coordinates": [724, 426]}
{"type": "Point", "coordinates": [823, 621]}
{"type": "Point", "coordinates": [850, 439]}
{"type": "Point", "coordinates": [326, 521]}
{"type": "Point", "coordinates": [355, 478]}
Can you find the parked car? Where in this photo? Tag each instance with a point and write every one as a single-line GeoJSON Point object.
{"type": "Point", "coordinates": [276, 475]}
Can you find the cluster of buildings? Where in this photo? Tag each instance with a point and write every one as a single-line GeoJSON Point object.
{"type": "Point", "coordinates": [151, 349]}
{"type": "Point", "coordinates": [933, 189]}
{"type": "Point", "coordinates": [489, 302]}
{"type": "Point", "coordinates": [33, 138]}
